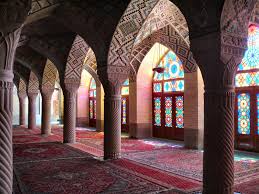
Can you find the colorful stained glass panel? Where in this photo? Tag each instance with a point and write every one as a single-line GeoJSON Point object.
{"type": "Point", "coordinates": [125, 90]}
{"type": "Point", "coordinates": [243, 113]}
{"type": "Point", "coordinates": [91, 93]}
{"type": "Point", "coordinates": [124, 111]}
{"type": "Point", "coordinates": [126, 83]}
{"type": "Point", "coordinates": [157, 87]}
{"type": "Point", "coordinates": [173, 67]}
{"type": "Point", "coordinates": [247, 79]}
{"type": "Point", "coordinates": [168, 112]}
{"type": "Point", "coordinates": [251, 57]}
{"type": "Point", "coordinates": [94, 109]}
{"type": "Point", "coordinates": [91, 109]}
{"type": "Point", "coordinates": [179, 111]}
{"type": "Point", "coordinates": [157, 111]}
{"type": "Point", "coordinates": [93, 84]}
{"type": "Point", "coordinates": [174, 86]}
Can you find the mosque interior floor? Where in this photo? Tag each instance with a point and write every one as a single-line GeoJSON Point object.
{"type": "Point", "coordinates": [45, 165]}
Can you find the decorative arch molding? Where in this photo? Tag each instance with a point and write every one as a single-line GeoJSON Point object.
{"type": "Point", "coordinates": [234, 23]}
{"type": "Point", "coordinates": [168, 37]}
{"type": "Point", "coordinates": [22, 88]}
{"type": "Point", "coordinates": [164, 13]}
{"type": "Point", "coordinates": [90, 60]}
{"type": "Point", "coordinates": [127, 30]}
{"type": "Point", "coordinates": [75, 61]}
{"type": "Point", "coordinates": [33, 86]}
{"type": "Point", "coordinates": [49, 76]}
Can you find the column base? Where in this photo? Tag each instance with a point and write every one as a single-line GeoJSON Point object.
{"type": "Point", "coordinates": [218, 190]}
{"type": "Point", "coordinates": [46, 135]}
{"type": "Point", "coordinates": [112, 156]}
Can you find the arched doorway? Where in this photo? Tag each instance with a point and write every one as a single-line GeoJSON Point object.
{"type": "Point", "coordinates": [247, 95]}
{"type": "Point", "coordinates": [168, 98]}
{"type": "Point", "coordinates": [125, 107]}
{"type": "Point", "coordinates": [92, 103]}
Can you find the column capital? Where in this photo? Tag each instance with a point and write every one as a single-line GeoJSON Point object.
{"type": "Point", "coordinates": [32, 94]}
{"type": "Point", "coordinates": [112, 78]}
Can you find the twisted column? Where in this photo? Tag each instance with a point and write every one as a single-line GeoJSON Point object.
{"type": "Point", "coordinates": [218, 160]}
{"type": "Point", "coordinates": [22, 110]}
{"type": "Point", "coordinates": [112, 126]}
{"type": "Point", "coordinates": [69, 115]}
{"type": "Point", "coordinates": [32, 110]}
{"type": "Point", "coordinates": [46, 112]}
{"type": "Point", "coordinates": [6, 152]}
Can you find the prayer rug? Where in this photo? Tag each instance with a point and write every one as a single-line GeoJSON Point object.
{"type": "Point", "coordinates": [82, 175]}
{"type": "Point", "coordinates": [35, 139]}
{"type": "Point", "coordinates": [188, 163]}
{"type": "Point", "coordinates": [44, 151]}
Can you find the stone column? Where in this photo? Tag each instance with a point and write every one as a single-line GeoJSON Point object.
{"type": "Point", "coordinates": [46, 112]}
{"type": "Point", "coordinates": [219, 97]}
{"type": "Point", "coordinates": [22, 109]}
{"type": "Point", "coordinates": [218, 161]}
{"type": "Point", "coordinates": [13, 14]}
{"type": "Point", "coordinates": [70, 115]}
{"type": "Point", "coordinates": [112, 126]}
{"type": "Point", "coordinates": [32, 110]}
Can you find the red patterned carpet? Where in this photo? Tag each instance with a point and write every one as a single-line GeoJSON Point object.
{"type": "Point", "coordinates": [56, 170]}
{"type": "Point", "coordinates": [146, 167]}
{"type": "Point", "coordinates": [188, 163]}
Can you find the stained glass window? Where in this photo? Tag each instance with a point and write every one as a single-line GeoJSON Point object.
{"type": "Point", "coordinates": [173, 74]}
{"type": "Point", "coordinates": [243, 113]}
{"type": "Point", "coordinates": [91, 109]}
{"type": "Point", "coordinates": [157, 87]}
{"type": "Point", "coordinates": [94, 109]}
{"type": "Point", "coordinates": [157, 111]}
{"type": "Point", "coordinates": [247, 79]}
{"type": "Point", "coordinates": [166, 85]}
{"type": "Point", "coordinates": [92, 99]}
{"type": "Point", "coordinates": [125, 88]}
{"type": "Point", "coordinates": [179, 111]}
{"type": "Point", "coordinates": [174, 86]}
{"type": "Point", "coordinates": [250, 62]}
{"type": "Point", "coordinates": [124, 110]}
{"type": "Point", "coordinates": [168, 111]}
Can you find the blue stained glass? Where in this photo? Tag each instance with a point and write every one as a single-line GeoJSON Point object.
{"type": "Point", "coordinates": [174, 86]}
{"type": "Point", "coordinates": [251, 57]}
{"type": "Point", "coordinates": [243, 113]}
{"type": "Point", "coordinates": [247, 79]}
{"type": "Point", "coordinates": [126, 83]}
{"type": "Point", "coordinates": [157, 87]}
{"type": "Point", "coordinates": [93, 84]}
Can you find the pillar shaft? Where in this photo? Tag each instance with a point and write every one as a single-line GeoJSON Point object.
{"type": "Point", "coordinates": [218, 170]}
{"type": "Point", "coordinates": [112, 126]}
{"type": "Point", "coordinates": [32, 110]}
{"type": "Point", "coordinates": [22, 110]}
{"type": "Point", "coordinates": [6, 152]}
{"type": "Point", "coordinates": [46, 113]}
{"type": "Point", "coordinates": [69, 116]}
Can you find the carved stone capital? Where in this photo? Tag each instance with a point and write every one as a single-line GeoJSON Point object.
{"type": "Point", "coordinates": [112, 78]}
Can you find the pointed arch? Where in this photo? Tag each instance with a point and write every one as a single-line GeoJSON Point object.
{"type": "Point", "coordinates": [49, 75]}
{"type": "Point", "coordinates": [75, 61]}
{"type": "Point", "coordinates": [33, 86]}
